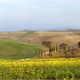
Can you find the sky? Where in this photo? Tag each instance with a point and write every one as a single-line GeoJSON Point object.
{"type": "Point", "coordinates": [39, 14]}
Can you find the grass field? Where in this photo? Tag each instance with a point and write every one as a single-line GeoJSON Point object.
{"type": "Point", "coordinates": [18, 59]}
{"type": "Point", "coordinates": [16, 50]}
{"type": "Point", "coordinates": [45, 69]}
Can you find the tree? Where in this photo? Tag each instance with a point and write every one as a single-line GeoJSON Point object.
{"type": "Point", "coordinates": [48, 44]}
{"type": "Point", "coordinates": [74, 52]}
{"type": "Point", "coordinates": [78, 44]}
{"type": "Point", "coordinates": [63, 47]}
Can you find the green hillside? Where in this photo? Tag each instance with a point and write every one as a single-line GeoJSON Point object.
{"type": "Point", "coordinates": [16, 50]}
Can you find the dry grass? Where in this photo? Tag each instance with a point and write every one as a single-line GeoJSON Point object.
{"type": "Point", "coordinates": [37, 37]}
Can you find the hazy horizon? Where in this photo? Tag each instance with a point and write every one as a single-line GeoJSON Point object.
{"type": "Point", "coordinates": [39, 14]}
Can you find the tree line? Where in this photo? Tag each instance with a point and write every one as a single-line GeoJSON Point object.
{"type": "Point", "coordinates": [70, 50]}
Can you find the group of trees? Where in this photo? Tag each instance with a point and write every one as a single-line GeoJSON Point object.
{"type": "Point", "coordinates": [66, 48]}
{"type": "Point", "coordinates": [48, 44]}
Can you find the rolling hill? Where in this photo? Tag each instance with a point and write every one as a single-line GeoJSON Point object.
{"type": "Point", "coordinates": [16, 50]}
{"type": "Point", "coordinates": [38, 37]}
{"type": "Point", "coordinates": [56, 37]}
{"type": "Point", "coordinates": [21, 45]}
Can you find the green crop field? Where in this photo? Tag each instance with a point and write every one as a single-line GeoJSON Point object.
{"type": "Point", "coordinates": [50, 69]}
{"type": "Point", "coordinates": [16, 50]}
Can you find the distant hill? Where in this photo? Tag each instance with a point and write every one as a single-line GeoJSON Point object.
{"type": "Point", "coordinates": [73, 30]}
{"type": "Point", "coordinates": [65, 30]}
{"type": "Point", "coordinates": [26, 30]}
{"type": "Point", "coordinates": [54, 30]}
{"type": "Point", "coordinates": [50, 30]}
{"type": "Point", "coordinates": [38, 37]}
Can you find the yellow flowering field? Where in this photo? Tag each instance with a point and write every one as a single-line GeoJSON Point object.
{"type": "Point", "coordinates": [40, 69]}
